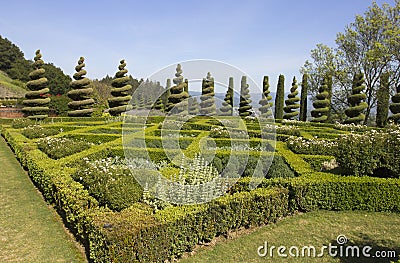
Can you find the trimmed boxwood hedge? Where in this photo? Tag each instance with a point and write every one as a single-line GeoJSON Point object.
{"type": "Point", "coordinates": [136, 234]}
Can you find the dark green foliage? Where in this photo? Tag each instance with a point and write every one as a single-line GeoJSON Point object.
{"type": "Point", "coordinates": [36, 100]}
{"type": "Point", "coordinates": [207, 104]}
{"type": "Point", "coordinates": [159, 105]}
{"type": "Point", "coordinates": [245, 101]}
{"type": "Point", "coordinates": [59, 105]}
{"type": "Point", "coordinates": [292, 102]}
{"type": "Point", "coordinates": [166, 94]}
{"type": "Point", "coordinates": [383, 97]}
{"type": "Point", "coordinates": [265, 102]}
{"type": "Point", "coordinates": [356, 100]}
{"type": "Point", "coordinates": [280, 97]}
{"type": "Point", "coordinates": [194, 106]}
{"type": "Point", "coordinates": [58, 82]}
{"type": "Point", "coordinates": [120, 91]}
{"type": "Point", "coordinates": [303, 98]}
{"type": "Point", "coordinates": [81, 92]}
{"type": "Point", "coordinates": [12, 61]}
{"type": "Point", "coordinates": [395, 106]}
{"type": "Point", "coordinates": [177, 100]}
{"type": "Point", "coordinates": [227, 105]}
{"type": "Point", "coordinates": [321, 103]}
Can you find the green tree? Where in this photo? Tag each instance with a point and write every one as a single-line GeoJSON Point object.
{"type": "Point", "coordinates": [207, 104]}
{"type": "Point", "coordinates": [395, 106]}
{"type": "Point", "coordinates": [12, 61]}
{"type": "Point", "coordinates": [292, 102]}
{"type": "Point", "coordinates": [265, 101]}
{"type": "Point", "coordinates": [356, 100]}
{"type": "Point", "coordinates": [58, 81]}
{"type": "Point", "coordinates": [81, 104]}
{"type": "Point", "coordinates": [370, 44]}
{"type": "Point", "coordinates": [120, 91]}
{"type": "Point", "coordinates": [280, 97]}
{"type": "Point", "coordinates": [303, 98]}
{"type": "Point", "coordinates": [245, 101]}
{"type": "Point", "coordinates": [59, 105]}
{"type": "Point", "coordinates": [321, 104]}
{"type": "Point", "coordinates": [36, 100]}
{"type": "Point", "coordinates": [177, 101]}
{"type": "Point", "coordinates": [227, 105]}
{"type": "Point", "coordinates": [383, 96]}
{"type": "Point", "coordinates": [166, 94]}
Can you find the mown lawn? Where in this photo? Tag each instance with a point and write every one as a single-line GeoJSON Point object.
{"type": "Point", "coordinates": [381, 231]}
{"type": "Point", "coordinates": [30, 231]}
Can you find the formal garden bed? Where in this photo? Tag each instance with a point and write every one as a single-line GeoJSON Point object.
{"type": "Point", "coordinates": [79, 165]}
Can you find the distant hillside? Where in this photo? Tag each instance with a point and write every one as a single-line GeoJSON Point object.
{"type": "Point", "coordinates": [10, 88]}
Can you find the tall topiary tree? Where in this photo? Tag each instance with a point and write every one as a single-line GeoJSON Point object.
{"type": "Point", "coordinates": [178, 94]}
{"type": "Point", "coordinates": [292, 102]}
{"type": "Point", "coordinates": [120, 91]}
{"type": "Point", "coordinates": [303, 98]}
{"type": "Point", "coordinates": [194, 106]}
{"type": "Point", "coordinates": [207, 104]}
{"type": "Point", "coordinates": [81, 103]}
{"type": "Point", "coordinates": [383, 97]}
{"type": "Point", "coordinates": [227, 105]}
{"type": "Point", "coordinates": [35, 105]}
{"type": "Point", "coordinates": [265, 101]}
{"type": "Point", "coordinates": [280, 97]}
{"type": "Point", "coordinates": [356, 100]}
{"type": "Point", "coordinates": [395, 106]}
{"type": "Point", "coordinates": [166, 95]}
{"type": "Point", "coordinates": [321, 104]}
{"type": "Point", "coordinates": [245, 101]}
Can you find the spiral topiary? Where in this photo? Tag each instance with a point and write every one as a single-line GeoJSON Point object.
{"type": "Point", "coordinates": [245, 101]}
{"type": "Point", "coordinates": [80, 94]}
{"type": "Point", "coordinates": [34, 104]}
{"type": "Point", "coordinates": [265, 102]}
{"type": "Point", "coordinates": [207, 104]}
{"type": "Point", "coordinates": [194, 106]}
{"type": "Point", "coordinates": [356, 101]}
{"type": "Point", "coordinates": [395, 106]}
{"type": "Point", "coordinates": [321, 104]}
{"type": "Point", "coordinates": [227, 105]}
{"type": "Point", "coordinates": [120, 91]}
{"type": "Point", "coordinates": [292, 102]}
{"type": "Point", "coordinates": [178, 94]}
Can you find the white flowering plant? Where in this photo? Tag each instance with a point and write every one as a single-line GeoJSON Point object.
{"type": "Point", "coordinates": [59, 147]}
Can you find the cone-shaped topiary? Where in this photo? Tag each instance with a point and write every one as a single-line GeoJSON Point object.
{"type": "Point", "coordinates": [120, 91]}
{"type": "Point", "coordinates": [395, 106]}
{"type": "Point", "coordinates": [356, 101]}
{"type": "Point", "coordinates": [159, 104]}
{"type": "Point", "coordinates": [35, 105]}
{"type": "Point", "coordinates": [166, 95]}
{"type": "Point", "coordinates": [80, 93]}
{"type": "Point", "coordinates": [265, 102]}
{"type": "Point", "coordinates": [178, 94]}
{"type": "Point", "coordinates": [245, 101]}
{"type": "Point", "coordinates": [321, 104]}
{"type": "Point", "coordinates": [207, 104]}
{"type": "Point", "coordinates": [303, 98]}
{"type": "Point", "coordinates": [227, 105]}
{"type": "Point", "coordinates": [382, 109]}
{"type": "Point", "coordinates": [280, 97]}
{"type": "Point", "coordinates": [292, 102]}
{"type": "Point", "coordinates": [194, 106]}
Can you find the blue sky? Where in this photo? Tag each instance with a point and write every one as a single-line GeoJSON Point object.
{"type": "Point", "coordinates": [259, 37]}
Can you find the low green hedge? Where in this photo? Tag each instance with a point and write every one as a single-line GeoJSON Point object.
{"type": "Point", "coordinates": [137, 235]}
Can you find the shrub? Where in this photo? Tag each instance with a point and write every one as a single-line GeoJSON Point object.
{"type": "Point", "coordinates": [300, 145]}
{"type": "Point", "coordinates": [109, 180]}
{"type": "Point", "coordinates": [22, 123]}
{"type": "Point", "coordinates": [37, 131]}
{"type": "Point", "coordinates": [57, 148]}
{"type": "Point", "coordinates": [363, 154]}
